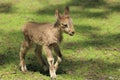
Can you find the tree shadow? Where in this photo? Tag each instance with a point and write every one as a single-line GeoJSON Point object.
{"type": "Point", "coordinates": [81, 5]}
{"type": "Point", "coordinates": [93, 68]}
{"type": "Point", "coordinates": [87, 3]}
{"type": "Point", "coordinates": [94, 39]}
{"type": "Point", "coordinates": [10, 46]}
{"type": "Point", "coordinates": [5, 7]}
{"type": "Point", "coordinates": [114, 8]}
{"type": "Point", "coordinates": [104, 41]}
{"type": "Point", "coordinates": [71, 65]}
{"type": "Point", "coordinates": [82, 8]}
{"type": "Point", "coordinates": [85, 30]}
{"type": "Point", "coordinates": [10, 43]}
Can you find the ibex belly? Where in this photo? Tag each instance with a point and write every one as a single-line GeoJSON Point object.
{"type": "Point", "coordinates": [44, 39]}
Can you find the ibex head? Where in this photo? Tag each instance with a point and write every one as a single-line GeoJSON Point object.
{"type": "Point", "coordinates": [65, 21]}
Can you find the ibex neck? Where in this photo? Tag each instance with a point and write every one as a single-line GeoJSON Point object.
{"type": "Point", "coordinates": [59, 35]}
{"type": "Point", "coordinates": [57, 24]}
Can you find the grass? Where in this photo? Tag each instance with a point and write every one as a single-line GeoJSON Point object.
{"type": "Point", "coordinates": [92, 54]}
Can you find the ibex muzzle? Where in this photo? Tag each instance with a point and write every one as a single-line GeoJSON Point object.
{"type": "Point", "coordinates": [47, 36]}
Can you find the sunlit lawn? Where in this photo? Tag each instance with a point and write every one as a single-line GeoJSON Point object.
{"type": "Point", "coordinates": [93, 53]}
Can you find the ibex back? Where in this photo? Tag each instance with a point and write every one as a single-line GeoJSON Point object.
{"type": "Point", "coordinates": [46, 36]}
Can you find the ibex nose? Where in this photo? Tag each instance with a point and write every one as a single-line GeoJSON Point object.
{"type": "Point", "coordinates": [73, 32]}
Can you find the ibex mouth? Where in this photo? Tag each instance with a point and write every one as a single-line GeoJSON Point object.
{"type": "Point", "coordinates": [72, 33]}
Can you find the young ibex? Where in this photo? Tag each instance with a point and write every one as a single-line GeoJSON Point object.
{"type": "Point", "coordinates": [46, 36]}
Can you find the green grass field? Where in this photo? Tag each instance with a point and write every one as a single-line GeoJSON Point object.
{"type": "Point", "coordinates": [93, 53]}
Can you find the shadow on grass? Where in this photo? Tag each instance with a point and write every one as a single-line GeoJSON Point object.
{"type": "Point", "coordinates": [108, 42]}
{"type": "Point", "coordinates": [5, 7]}
{"type": "Point", "coordinates": [104, 41]}
{"type": "Point", "coordinates": [9, 46]}
{"type": "Point", "coordinates": [87, 3]}
{"type": "Point", "coordinates": [115, 7]}
{"type": "Point", "coordinates": [34, 66]}
{"type": "Point", "coordinates": [94, 39]}
{"type": "Point", "coordinates": [82, 8]}
{"type": "Point", "coordinates": [95, 69]}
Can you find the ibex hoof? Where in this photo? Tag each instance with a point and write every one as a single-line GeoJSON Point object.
{"type": "Point", "coordinates": [53, 72]}
{"type": "Point", "coordinates": [24, 69]}
{"type": "Point", "coordinates": [53, 78]}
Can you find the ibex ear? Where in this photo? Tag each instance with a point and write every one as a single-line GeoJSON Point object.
{"type": "Point", "coordinates": [66, 11]}
{"type": "Point", "coordinates": [57, 14]}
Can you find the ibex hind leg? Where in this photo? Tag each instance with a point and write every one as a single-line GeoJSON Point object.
{"type": "Point", "coordinates": [24, 48]}
{"type": "Point", "coordinates": [38, 52]}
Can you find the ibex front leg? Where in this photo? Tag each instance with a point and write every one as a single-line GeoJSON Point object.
{"type": "Point", "coordinates": [50, 59]}
{"type": "Point", "coordinates": [59, 55]}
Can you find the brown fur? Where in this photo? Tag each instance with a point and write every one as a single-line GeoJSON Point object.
{"type": "Point", "coordinates": [47, 36]}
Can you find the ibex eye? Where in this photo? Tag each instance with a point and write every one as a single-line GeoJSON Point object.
{"type": "Point", "coordinates": [64, 25]}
